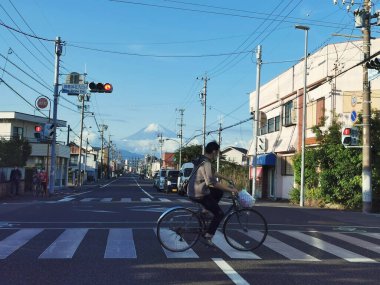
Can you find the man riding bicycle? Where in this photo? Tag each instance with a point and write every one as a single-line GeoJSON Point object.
{"type": "Point", "coordinates": [205, 189]}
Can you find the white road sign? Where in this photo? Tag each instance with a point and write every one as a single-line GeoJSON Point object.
{"type": "Point", "coordinates": [74, 89]}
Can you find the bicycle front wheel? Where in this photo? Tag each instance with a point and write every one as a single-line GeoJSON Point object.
{"type": "Point", "coordinates": [178, 229]}
{"type": "Point", "coordinates": [245, 229]}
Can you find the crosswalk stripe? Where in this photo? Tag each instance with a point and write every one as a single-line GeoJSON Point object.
{"type": "Point", "coordinates": [372, 235]}
{"type": "Point", "coordinates": [328, 247]}
{"type": "Point", "coordinates": [16, 240]}
{"type": "Point", "coordinates": [120, 244]}
{"type": "Point", "coordinates": [184, 200]}
{"type": "Point", "coordinates": [87, 199]}
{"type": "Point", "coordinates": [67, 199]}
{"type": "Point", "coordinates": [125, 200]}
{"type": "Point", "coordinates": [164, 200]}
{"type": "Point", "coordinates": [65, 245]}
{"type": "Point", "coordinates": [190, 253]}
{"type": "Point", "coordinates": [146, 200]}
{"type": "Point", "coordinates": [221, 243]}
{"type": "Point", "coordinates": [355, 241]}
{"type": "Point", "coordinates": [106, 200]}
{"type": "Point", "coordinates": [283, 248]}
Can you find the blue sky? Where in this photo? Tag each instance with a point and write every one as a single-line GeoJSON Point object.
{"type": "Point", "coordinates": [152, 52]}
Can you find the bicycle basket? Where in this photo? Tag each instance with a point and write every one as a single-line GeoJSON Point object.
{"type": "Point", "coordinates": [245, 199]}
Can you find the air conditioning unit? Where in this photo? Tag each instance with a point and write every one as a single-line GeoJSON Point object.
{"type": "Point", "coordinates": [261, 144]}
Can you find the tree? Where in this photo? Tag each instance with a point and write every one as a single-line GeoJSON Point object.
{"type": "Point", "coordinates": [332, 172]}
{"type": "Point", "coordinates": [189, 153]}
{"type": "Point", "coordinates": [14, 152]}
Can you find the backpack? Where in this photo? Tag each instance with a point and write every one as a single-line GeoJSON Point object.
{"type": "Point", "coordinates": [197, 163]}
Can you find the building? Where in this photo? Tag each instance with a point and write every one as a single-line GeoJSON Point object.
{"type": "Point", "coordinates": [88, 163]}
{"type": "Point", "coordinates": [15, 124]}
{"type": "Point", "coordinates": [334, 85]}
{"type": "Point", "coordinates": [235, 155]}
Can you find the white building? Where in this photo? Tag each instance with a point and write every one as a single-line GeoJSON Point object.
{"type": "Point", "coordinates": [333, 84]}
{"type": "Point", "coordinates": [15, 124]}
{"type": "Point", "coordinates": [235, 155]}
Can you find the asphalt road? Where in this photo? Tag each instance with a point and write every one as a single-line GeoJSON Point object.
{"type": "Point", "coordinates": [106, 235]}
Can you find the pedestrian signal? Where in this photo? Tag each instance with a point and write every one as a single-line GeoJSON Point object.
{"type": "Point", "coordinates": [49, 131]}
{"type": "Point", "coordinates": [37, 132]}
{"type": "Point", "coordinates": [350, 136]}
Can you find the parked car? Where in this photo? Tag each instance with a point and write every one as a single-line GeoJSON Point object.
{"type": "Point", "coordinates": [184, 174]}
{"type": "Point", "coordinates": [171, 181]}
{"type": "Point", "coordinates": [161, 178]}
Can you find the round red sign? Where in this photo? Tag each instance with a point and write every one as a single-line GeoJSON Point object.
{"type": "Point", "coordinates": [42, 102]}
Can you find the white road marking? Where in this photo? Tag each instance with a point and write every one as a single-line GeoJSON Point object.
{"type": "Point", "coordinates": [65, 245]}
{"type": "Point", "coordinates": [355, 241]}
{"type": "Point", "coordinates": [125, 200]}
{"type": "Point", "coordinates": [146, 200]}
{"type": "Point", "coordinates": [230, 272]}
{"type": "Point", "coordinates": [190, 253]}
{"type": "Point", "coordinates": [221, 243]}
{"type": "Point", "coordinates": [103, 186]}
{"type": "Point", "coordinates": [16, 240]}
{"type": "Point", "coordinates": [106, 200]}
{"type": "Point", "coordinates": [164, 200]}
{"type": "Point", "coordinates": [120, 244]}
{"type": "Point", "coordinates": [283, 248]}
{"type": "Point", "coordinates": [328, 247]}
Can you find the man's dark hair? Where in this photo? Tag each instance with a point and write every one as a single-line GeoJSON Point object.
{"type": "Point", "coordinates": [211, 146]}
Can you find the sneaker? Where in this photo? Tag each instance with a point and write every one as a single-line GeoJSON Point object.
{"type": "Point", "coordinates": [207, 241]}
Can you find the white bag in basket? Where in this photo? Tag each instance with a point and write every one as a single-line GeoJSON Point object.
{"type": "Point", "coordinates": [245, 199]}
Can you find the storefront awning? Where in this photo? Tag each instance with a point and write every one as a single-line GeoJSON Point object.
{"type": "Point", "coordinates": [266, 159]}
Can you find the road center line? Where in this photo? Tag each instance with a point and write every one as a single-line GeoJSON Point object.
{"type": "Point", "coordinates": [146, 193]}
{"type": "Point", "coordinates": [230, 272]}
{"type": "Point", "coordinates": [108, 183]}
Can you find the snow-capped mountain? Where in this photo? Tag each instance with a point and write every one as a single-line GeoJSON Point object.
{"type": "Point", "coordinates": [151, 132]}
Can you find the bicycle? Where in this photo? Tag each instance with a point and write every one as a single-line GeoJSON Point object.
{"type": "Point", "coordinates": [179, 228]}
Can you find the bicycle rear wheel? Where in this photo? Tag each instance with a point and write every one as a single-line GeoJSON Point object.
{"type": "Point", "coordinates": [245, 229]}
{"type": "Point", "coordinates": [178, 229]}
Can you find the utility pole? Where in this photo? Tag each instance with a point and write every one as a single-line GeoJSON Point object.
{"type": "Point", "coordinates": [220, 143]}
{"type": "Point", "coordinates": [103, 128]}
{"type": "Point", "coordinates": [58, 52]}
{"type": "Point", "coordinates": [161, 142]}
{"type": "Point", "coordinates": [68, 135]}
{"type": "Point", "coordinates": [108, 156]}
{"type": "Point", "coordinates": [204, 104]}
{"type": "Point", "coordinates": [181, 125]}
{"type": "Point", "coordinates": [363, 21]}
{"type": "Point", "coordinates": [256, 130]}
{"type": "Point", "coordinates": [81, 97]}
{"type": "Point", "coordinates": [366, 164]}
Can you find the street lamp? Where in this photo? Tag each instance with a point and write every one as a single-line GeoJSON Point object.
{"type": "Point", "coordinates": [302, 192]}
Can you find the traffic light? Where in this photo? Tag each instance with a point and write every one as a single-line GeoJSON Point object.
{"type": "Point", "coordinates": [49, 131]}
{"type": "Point", "coordinates": [37, 132]}
{"type": "Point", "coordinates": [350, 136]}
{"type": "Point", "coordinates": [373, 64]}
{"type": "Point", "coordinates": [100, 87]}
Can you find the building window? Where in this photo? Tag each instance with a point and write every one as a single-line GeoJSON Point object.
{"type": "Point", "coordinates": [287, 166]}
{"type": "Point", "coordinates": [271, 125]}
{"type": "Point", "coordinates": [264, 130]}
{"type": "Point", "coordinates": [18, 133]}
{"type": "Point", "coordinates": [287, 113]}
{"type": "Point", "coordinates": [277, 123]}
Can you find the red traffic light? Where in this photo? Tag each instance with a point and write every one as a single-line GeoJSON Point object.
{"type": "Point", "coordinates": [107, 88]}
{"type": "Point", "coordinates": [37, 129]}
{"type": "Point", "coordinates": [100, 87]}
{"type": "Point", "coordinates": [347, 131]}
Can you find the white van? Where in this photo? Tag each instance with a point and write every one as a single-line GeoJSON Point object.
{"type": "Point", "coordinates": [184, 174]}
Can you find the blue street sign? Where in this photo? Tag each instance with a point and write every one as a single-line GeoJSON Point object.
{"type": "Point", "coordinates": [354, 116]}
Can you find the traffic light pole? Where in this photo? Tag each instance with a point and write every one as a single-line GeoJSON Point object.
{"type": "Point", "coordinates": [58, 52]}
